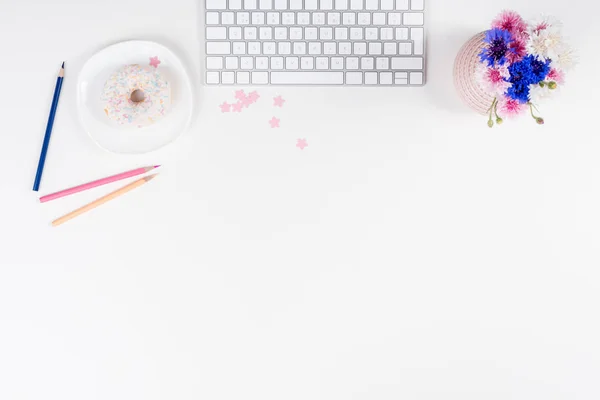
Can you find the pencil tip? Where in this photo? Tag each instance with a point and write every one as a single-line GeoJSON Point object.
{"type": "Point", "coordinates": [63, 65]}
{"type": "Point", "coordinates": [149, 177]}
{"type": "Point", "coordinates": [156, 166]}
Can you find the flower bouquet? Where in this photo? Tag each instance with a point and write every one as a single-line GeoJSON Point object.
{"type": "Point", "coordinates": [510, 69]}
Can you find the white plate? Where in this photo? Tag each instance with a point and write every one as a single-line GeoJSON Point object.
{"type": "Point", "coordinates": [132, 140]}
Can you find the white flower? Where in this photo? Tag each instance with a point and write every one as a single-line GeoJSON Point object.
{"type": "Point", "coordinates": [545, 43]}
{"type": "Point", "coordinates": [539, 94]}
{"type": "Point", "coordinates": [565, 57]}
{"type": "Point", "coordinates": [544, 22]}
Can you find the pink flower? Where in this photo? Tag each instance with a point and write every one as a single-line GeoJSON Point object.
{"type": "Point", "coordinates": [508, 107]}
{"type": "Point", "coordinates": [556, 76]}
{"type": "Point", "coordinates": [493, 79]}
{"type": "Point", "coordinates": [512, 22]}
{"type": "Point", "coordinates": [518, 50]}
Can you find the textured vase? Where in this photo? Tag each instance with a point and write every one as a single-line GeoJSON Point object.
{"type": "Point", "coordinates": [465, 78]}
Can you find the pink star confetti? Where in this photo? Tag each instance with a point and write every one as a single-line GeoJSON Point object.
{"type": "Point", "coordinates": [237, 107]}
{"type": "Point", "coordinates": [247, 101]}
{"type": "Point", "coordinates": [274, 122]}
{"type": "Point", "coordinates": [240, 95]}
{"type": "Point", "coordinates": [253, 96]}
{"type": "Point", "coordinates": [225, 107]}
{"type": "Point", "coordinates": [154, 61]}
{"type": "Point", "coordinates": [278, 101]}
{"type": "Point", "coordinates": [302, 143]}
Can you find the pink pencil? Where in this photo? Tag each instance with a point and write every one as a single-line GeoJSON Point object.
{"type": "Point", "coordinates": [99, 182]}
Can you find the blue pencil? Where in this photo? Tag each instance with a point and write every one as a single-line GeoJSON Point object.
{"type": "Point", "coordinates": [40, 168]}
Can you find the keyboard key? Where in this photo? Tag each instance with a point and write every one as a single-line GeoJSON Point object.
{"type": "Point", "coordinates": [281, 33]}
{"type": "Point", "coordinates": [239, 48]}
{"type": "Point", "coordinates": [360, 48]}
{"type": "Point", "coordinates": [356, 5]}
{"type": "Point", "coordinates": [326, 33]}
{"type": "Point", "coordinates": [367, 63]}
{"type": "Point", "coordinates": [401, 5]}
{"type": "Point", "coordinates": [262, 62]}
{"type": "Point", "coordinates": [341, 4]}
{"type": "Point", "coordinates": [329, 48]}
{"type": "Point", "coordinates": [260, 78]}
{"type": "Point", "coordinates": [218, 48]}
{"type": "Point", "coordinates": [382, 63]}
{"type": "Point", "coordinates": [401, 78]}
{"type": "Point", "coordinates": [337, 63]}
{"type": "Point", "coordinates": [307, 63]}
{"type": "Point", "coordinates": [390, 48]}
{"type": "Point", "coordinates": [291, 63]}
{"type": "Point", "coordinates": [418, 37]}
{"type": "Point", "coordinates": [352, 63]}
{"type": "Point", "coordinates": [212, 78]}
{"type": "Point", "coordinates": [378, 18]}
{"type": "Point", "coordinates": [371, 5]}
{"type": "Point", "coordinates": [310, 4]}
{"type": "Point", "coordinates": [269, 48]}
{"type": "Point", "coordinates": [345, 48]}
{"type": "Point", "coordinates": [276, 62]}
{"type": "Point", "coordinates": [243, 77]}
{"type": "Point", "coordinates": [387, 34]}
{"type": "Point", "coordinates": [401, 33]}
{"type": "Point", "coordinates": [228, 77]}
{"type": "Point", "coordinates": [296, 33]}
{"type": "Point", "coordinates": [216, 33]}
{"type": "Point", "coordinates": [349, 18]}
{"type": "Point", "coordinates": [326, 4]}
{"type": "Point", "coordinates": [371, 33]}
{"type": "Point", "coordinates": [311, 34]}
{"type": "Point", "coordinates": [405, 49]}
{"type": "Point", "coordinates": [281, 4]}
{"type": "Point", "coordinates": [387, 5]}
{"type": "Point", "coordinates": [231, 62]}
{"type": "Point", "coordinates": [303, 18]}
{"type": "Point", "coordinates": [319, 18]}
{"type": "Point", "coordinates": [284, 48]}
{"type": "Point", "coordinates": [273, 18]}
{"type": "Point", "coordinates": [354, 78]}
{"type": "Point", "coordinates": [417, 5]}
{"type": "Point", "coordinates": [288, 18]}
{"type": "Point", "coordinates": [216, 4]}
{"type": "Point", "coordinates": [235, 32]}
{"type": "Point", "coordinates": [265, 33]}
{"type": "Point", "coordinates": [364, 19]}
{"type": "Point", "coordinates": [385, 78]}
{"type": "Point", "coordinates": [243, 18]}
{"type": "Point", "coordinates": [235, 4]}
{"type": "Point", "coordinates": [322, 63]}
{"type": "Point", "coordinates": [394, 19]}
{"type": "Point", "coordinates": [375, 48]}
{"type": "Point", "coordinates": [341, 33]}
{"type": "Point", "coordinates": [254, 48]}
{"type": "Point", "coordinates": [258, 18]}
{"type": "Point", "coordinates": [356, 33]}
{"type": "Point", "coordinates": [416, 78]}
{"type": "Point", "coordinates": [214, 62]}
{"type": "Point", "coordinates": [212, 18]}
{"type": "Point", "coordinates": [407, 63]}
{"type": "Point", "coordinates": [314, 48]}
{"type": "Point", "coordinates": [299, 48]}
{"type": "Point", "coordinates": [250, 33]}
{"type": "Point", "coordinates": [307, 78]}
{"type": "Point", "coordinates": [250, 4]}
{"type": "Point", "coordinates": [413, 19]}
{"type": "Point", "coordinates": [295, 4]}
{"type": "Point", "coordinates": [266, 4]}
{"type": "Point", "coordinates": [333, 18]}
{"type": "Point", "coordinates": [227, 18]}
{"type": "Point", "coordinates": [370, 78]}
{"type": "Point", "coordinates": [246, 63]}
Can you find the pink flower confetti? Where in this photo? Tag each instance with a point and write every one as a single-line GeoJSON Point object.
{"type": "Point", "coordinates": [154, 61]}
{"type": "Point", "coordinates": [274, 122]}
{"type": "Point", "coordinates": [240, 95]}
{"type": "Point", "coordinates": [237, 107]}
{"type": "Point", "coordinates": [225, 107]}
{"type": "Point", "coordinates": [278, 101]}
{"type": "Point", "coordinates": [253, 96]}
{"type": "Point", "coordinates": [246, 101]}
{"type": "Point", "coordinates": [302, 144]}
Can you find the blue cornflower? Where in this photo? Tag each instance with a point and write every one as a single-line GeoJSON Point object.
{"type": "Point", "coordinates": [529, 71]}
{"type": "Point", "coordinates": [539, 69]}
{"type": "Point", "coordinates": [498, 46]}
{"type": "Point", "coordinates": [519, 91]}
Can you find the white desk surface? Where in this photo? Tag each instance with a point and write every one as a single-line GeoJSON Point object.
{"type": "Point", "coordinates": [408, 253]}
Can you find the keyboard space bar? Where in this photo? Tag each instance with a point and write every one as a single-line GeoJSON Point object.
{"type": "Point", "coordinates": [307, 78]}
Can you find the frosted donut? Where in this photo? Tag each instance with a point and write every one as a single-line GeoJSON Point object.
{"type": "Point", "coordinates": [136, 96]}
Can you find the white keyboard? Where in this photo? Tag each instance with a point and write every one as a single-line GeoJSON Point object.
{"type": "Point", "coordinates": [315, 42]}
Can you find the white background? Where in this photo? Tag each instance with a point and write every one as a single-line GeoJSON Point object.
{"type": "Point", "coordinates": [408, 253]}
